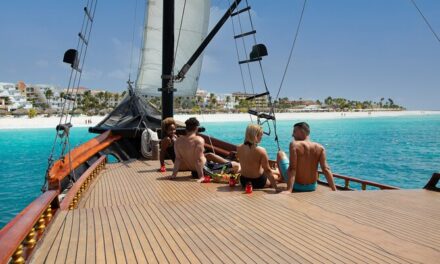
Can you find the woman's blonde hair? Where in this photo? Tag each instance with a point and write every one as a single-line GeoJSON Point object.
{"type": "Point", "coordinates": [252, 132]}
{"type": "Point", "coordinates": [166, 123]}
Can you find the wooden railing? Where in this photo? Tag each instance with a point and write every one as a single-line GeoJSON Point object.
{"type": "Point", "coordinates": [363, 183]}
{"type": "Point", "coordinates": [19, 237]}
{"type": "Point", "coordinates": [79, 155]}
{"type": "Point", "coordinates": [217, 146]}
{"type": "Point", "coordinates": [73, 196]}
{"type": "Point", "coordinates": [225, 149]}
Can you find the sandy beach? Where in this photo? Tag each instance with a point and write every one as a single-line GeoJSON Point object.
{"type": "Point", "coordinates": [81, 121]}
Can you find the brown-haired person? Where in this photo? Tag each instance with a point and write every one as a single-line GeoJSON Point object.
{"type": "Point", "coordinates": [167, 142]}
{"type": "Point", "coordinates": [190, 149]}
{"type": "Point", "coordinates": [305, 156]}
{"type": "Point", "coordinates": [254, 160]}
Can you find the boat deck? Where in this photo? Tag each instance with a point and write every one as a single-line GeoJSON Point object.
{"type": "Point", "coordinates": [131, 213]}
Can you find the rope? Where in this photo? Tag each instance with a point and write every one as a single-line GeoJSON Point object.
{"type": "Point", "coordinates": [245, 52]}
{"type": "Point", "coordinates": [178, 36]}
{"type": "Point", "coordinates": [132, 39]}
{"type": "Point", "coordinates": [291, 49]}
{"type": "Point", "coordinates": [83, 60]}
{"type": "Point", "coordinates": [74, 80]}
{"type": "Point", "coordinates": [238, 58]}
{"type": "Point", "coordinates": [426, 21]}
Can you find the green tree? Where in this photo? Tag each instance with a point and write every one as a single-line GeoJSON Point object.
{"type": "Point", "coordinates": [116, 97]}
{"type": "Point", "coordinates": [391, 103]}
{"type": "Point", "coordinates": [212, 101]}
{"type": "Point", "coordinates": [32, 113]}
{"type": "Point", "coordinates": [48, 94]}
{"type": "Point", "coordinates": [100, 100]}
{"type": "Point", "coordinates": [329, 102]}
{"type": "Point", "coordinates": [106, 99]}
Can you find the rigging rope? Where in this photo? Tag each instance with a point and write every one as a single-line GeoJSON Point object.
{"type": "Point", "coordinates": [132, 39]}
{"type": "Point", "coordinates": [270, 104]}
{"type": "Point", "coordinates": [426, 21]}
{"type": "Point", "coordinates": [83, 60]}
{"type": "Point", "coordinates": [178, 37]}
{"type": "Point", "coordinates": [291, 49]}
{"type": "Point", "coordinates": [74, 81]}
{"type": "Point", "coordinates": [238, 58]}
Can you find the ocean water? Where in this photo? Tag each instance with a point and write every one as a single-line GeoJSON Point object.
{"type": "Point", "coordinates": [399, 151]}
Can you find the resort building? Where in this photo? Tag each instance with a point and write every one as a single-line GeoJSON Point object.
{"type": "Point", "coordinates": [259, 102]}
{"type": "Point", "coordinates": [11, 98]}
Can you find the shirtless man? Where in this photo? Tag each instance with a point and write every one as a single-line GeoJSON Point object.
{"type": "Point", "coordinates": [254, 161]}
{"type": "Point", "coordinates": [303, 162]}
{"type": "Point", "coordinates": [189, 150]}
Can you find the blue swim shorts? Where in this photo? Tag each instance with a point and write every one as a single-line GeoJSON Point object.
{"type": "Point", "coordinates": [298, 187]}
{"type": "Point", "coordinates": [284, 165]}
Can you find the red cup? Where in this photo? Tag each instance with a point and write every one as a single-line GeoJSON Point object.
{"type": "Point", "coordinates": [163, 169]}
{"type": "Point", "coordinates": [232, 182]}
{"type": "Point", "coordinates": [248, 188]}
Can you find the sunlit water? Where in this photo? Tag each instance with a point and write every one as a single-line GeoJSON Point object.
{"type": "Point", "coordinates": [399, 151]}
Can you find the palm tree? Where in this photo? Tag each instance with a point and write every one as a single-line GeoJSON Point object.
{"type": "Point", "coordinates": [107, 97]}
{"type": "Point", "coordinates": [48, 94]}
{"type": "Point", "coordinates": [212, 100]}
{"type": "Point", "coordinates": [391, 103]}
{"type": "Point", "coordinates": [116, 96]}
{"type": "Point", "coordinates": [329, 101]}
{"type": "Point", "coordinates": [100, 97]}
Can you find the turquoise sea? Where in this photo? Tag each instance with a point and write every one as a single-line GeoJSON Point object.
{"type": "Point", "coordinates": [399, 151]}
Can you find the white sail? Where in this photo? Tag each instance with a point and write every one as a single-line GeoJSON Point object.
{"type": "Point", "coordinates": [193, 31]}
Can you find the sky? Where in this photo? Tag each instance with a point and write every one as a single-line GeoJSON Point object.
{"type": "Point", "coordinates": [356, 49]}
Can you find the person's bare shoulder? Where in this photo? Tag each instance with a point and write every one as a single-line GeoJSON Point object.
{"type": "Point", "coordinates": [200, 140]}
{"type": "Point", "coordinates": [318, 148]}
{"type": "Point", "coordinates": [297, 144]}
{"type": "Point", "coordinates": [261, 150]}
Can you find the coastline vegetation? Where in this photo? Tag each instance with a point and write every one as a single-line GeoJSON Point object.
{"type": "Point", "coordinates": [99, 104]}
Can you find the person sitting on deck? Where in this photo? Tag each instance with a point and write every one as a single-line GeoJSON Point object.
{"type": "Point", "coordinates": [254, 161]}
{"type": "Point", "coordinates": [189, 150]}
{"type": "Point", "coordinates": [303, 162]}
{"type": "Point", "coordinates": [167, 142]}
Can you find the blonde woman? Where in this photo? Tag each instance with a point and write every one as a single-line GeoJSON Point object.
{"type": "Point", "coordinates": [254, 160]}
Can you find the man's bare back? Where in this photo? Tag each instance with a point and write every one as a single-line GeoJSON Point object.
{"type": "Point", "coordinates": [190, 151]}
{"type": "Point", "coordinates": [306, 157]}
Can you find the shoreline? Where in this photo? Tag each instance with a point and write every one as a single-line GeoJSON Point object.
{"type": "Point", "coordinates": [7, 123]}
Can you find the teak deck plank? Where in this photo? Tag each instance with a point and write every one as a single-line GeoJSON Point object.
{"type": "Point", "coordinates": [132, 213]}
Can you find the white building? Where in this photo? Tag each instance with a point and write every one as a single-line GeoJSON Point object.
{"type": "Point", "coordinates": [53, 100]}
{"type": "Point", "coordinates": [15, 97]}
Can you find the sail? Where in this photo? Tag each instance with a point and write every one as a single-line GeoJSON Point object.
{"type": "Point", "coordinates": [193, 31]}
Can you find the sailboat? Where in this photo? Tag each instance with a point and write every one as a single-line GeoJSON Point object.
{"type": "Point", "coordinates": [91, 211]}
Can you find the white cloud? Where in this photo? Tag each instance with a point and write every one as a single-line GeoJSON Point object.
{"type": "Point", "coordinates": [92, 75]}
{"type": "Point", "coordinates": [120, 74]}
{"type": "Point", "coordinates": [210, 64]}
{"type": "Point", "coordinates": [42, 63]}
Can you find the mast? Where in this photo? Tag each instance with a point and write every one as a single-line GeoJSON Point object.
{"type": "Point", "coordinates": [167, 58]}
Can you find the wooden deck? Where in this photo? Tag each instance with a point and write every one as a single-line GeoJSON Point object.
{"type": "Point", "coordinates": [132, 213]}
